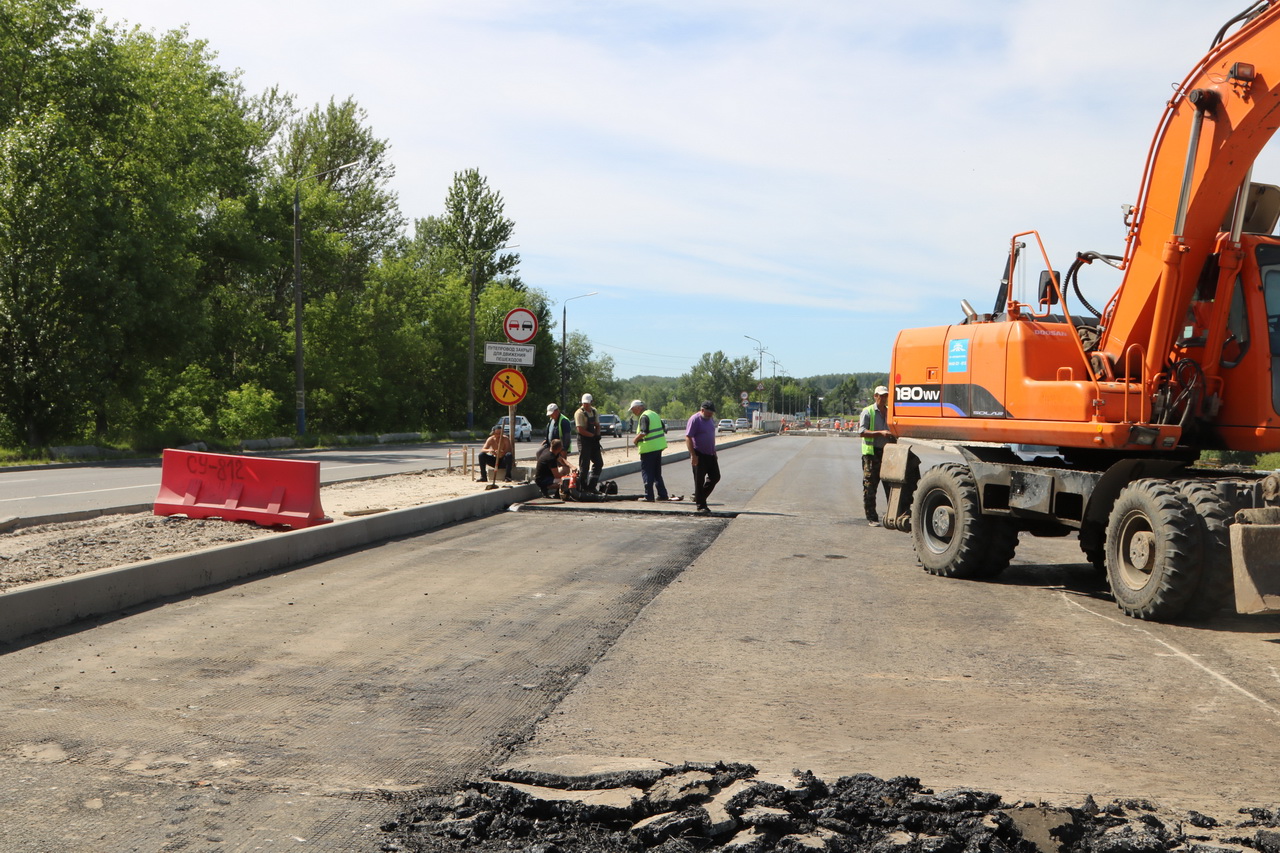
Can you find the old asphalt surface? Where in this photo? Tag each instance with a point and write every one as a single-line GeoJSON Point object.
{"type": "Point", "coordinates": [303, 710]}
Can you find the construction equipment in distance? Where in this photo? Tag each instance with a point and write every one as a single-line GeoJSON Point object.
{"type": "Point", "coordinates": [1184, 357]}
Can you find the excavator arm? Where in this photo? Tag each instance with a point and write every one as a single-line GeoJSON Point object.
{"type": "Point", "coordinates": [1213, 128]}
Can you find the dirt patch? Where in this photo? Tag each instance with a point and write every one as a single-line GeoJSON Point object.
{"type": "Point", "coordinates": [701, 807]}
{"type": "Point", "coordinates": [58, 550]}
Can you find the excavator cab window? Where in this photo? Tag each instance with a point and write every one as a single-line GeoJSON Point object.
{"type": "Point", "coordinates": [1195, 329]}
{"type": "Point", "coordinates": [1271, 295]}
{"type": "Point", "coordinates": [1268, 256]}
{"type": "Point", "coordinates": [1237, 340]}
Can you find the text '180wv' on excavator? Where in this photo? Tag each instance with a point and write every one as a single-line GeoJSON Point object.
{"type": "Point", "coordinates": [1184, 357]}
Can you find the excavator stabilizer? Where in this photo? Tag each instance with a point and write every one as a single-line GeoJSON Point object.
{"type": "Point", "coordinates": [1255, 560]}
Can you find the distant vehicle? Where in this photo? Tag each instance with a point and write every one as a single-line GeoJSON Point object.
{"type": "Point", "coordinates": [726, 425]}
{"type": "Point", "coordinates": [742, 423]}
{"type": "Point", "coordinates": [524, 429]}
{"type": "Point", "coordinates": [610, 425]}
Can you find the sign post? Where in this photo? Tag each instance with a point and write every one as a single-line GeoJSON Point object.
{"type": "Point", "coordinates": [509, 386]}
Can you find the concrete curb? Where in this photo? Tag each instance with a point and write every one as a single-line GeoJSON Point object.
{"type": "Point", "coordinates": [52, 604]}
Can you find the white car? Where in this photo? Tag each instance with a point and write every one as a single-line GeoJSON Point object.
{"type": "Point", "coordinates": [524, 429]}
{"type": "Point", "coordinates": [726, 425]}
{"type": "Point", "coordinates": [742, 424]}
{"type": "Point", "coordinates": [610, 425]}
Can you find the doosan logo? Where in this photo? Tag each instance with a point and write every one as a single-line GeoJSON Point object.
{"type": "Point", "coordinates": [916, 394]}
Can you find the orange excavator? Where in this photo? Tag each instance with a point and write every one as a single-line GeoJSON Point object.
{"type": "Point", "coordinates": [1093, 421]}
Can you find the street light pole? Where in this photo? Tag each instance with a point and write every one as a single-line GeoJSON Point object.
{"type": "Point", "coordinates": [471, 357]}
{"type": "Point", "coordinates": [773, 389]}
{"type": "Point", "coordinates": [564, 344]}
{"type": "Point", "coordinates": [300, 389]}
{"type": "Point", "coordinates": [759, 349]}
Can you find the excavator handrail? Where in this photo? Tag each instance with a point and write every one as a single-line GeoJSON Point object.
{"type": "Point", "coordinates": [1135, 389]}
{"type": "Point", "coordinates": [1057, 286]}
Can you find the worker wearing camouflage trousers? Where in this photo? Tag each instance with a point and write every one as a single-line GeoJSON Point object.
{"type": "Point", "coordinates": [873, 426]}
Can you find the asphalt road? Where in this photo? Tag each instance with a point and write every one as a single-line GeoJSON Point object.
{"type": "Point", "coordinates": [55, 490]}
{"type": "Point", "coordinates": [295, 710]}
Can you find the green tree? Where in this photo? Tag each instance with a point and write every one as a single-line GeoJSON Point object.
{"type": "Point", "coordinates": [846, 397]}
{"type": "Point", "coordinates": [472, 235]}
{"type": "Point", "coordinates": [112, 147]}
{"type": "Point", "coordinates": [349, 216]}
{"type": "Point", "coordinates": [720, 379]}
{"type": "Point", "coordinates": [472, 238]}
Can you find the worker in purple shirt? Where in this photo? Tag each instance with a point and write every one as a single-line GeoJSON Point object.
{"type": "Point", "coordinates": [700, 438]}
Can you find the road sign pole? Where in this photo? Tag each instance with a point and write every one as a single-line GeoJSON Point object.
{"type": "Point", "coordinates": [511, 430]}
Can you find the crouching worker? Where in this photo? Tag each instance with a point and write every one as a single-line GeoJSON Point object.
{"type": "Point", "coordinates": [552, 466]}
{"type": "Point", "coordinates": [498, 452]}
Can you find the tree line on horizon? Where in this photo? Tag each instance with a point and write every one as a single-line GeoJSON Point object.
{"type": "Point", "coordinates": [147, 280]}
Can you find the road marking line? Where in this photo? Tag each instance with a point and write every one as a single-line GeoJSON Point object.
{"type": "Point", "coordinates": [1176, 652]}
{"type": "Point", "coordinates": [71, 494]}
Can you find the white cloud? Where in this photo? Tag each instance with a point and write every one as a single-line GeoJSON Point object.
{"type": "Point", "coordinates": [814, 174]}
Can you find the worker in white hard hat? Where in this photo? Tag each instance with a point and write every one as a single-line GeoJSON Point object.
{"type": "Point", "coordinates": [650, 441]}
{"type": "Point", "coordinates": [558, 426]}
{"type": "Point", "coordinates": [590, 461]}
{"type": "Point", "coordinates": [873, 426]}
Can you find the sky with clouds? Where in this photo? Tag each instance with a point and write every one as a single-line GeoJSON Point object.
{"type": "Point", "coordinates": [814, 174]}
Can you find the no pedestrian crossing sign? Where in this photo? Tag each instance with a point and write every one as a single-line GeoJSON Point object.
{"type": "Point", "coordinates": [508, 386]}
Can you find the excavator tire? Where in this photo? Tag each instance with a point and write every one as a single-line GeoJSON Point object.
{"type": "Point", "coordinates": [1093, 542]}
{"type": "Point", "coordinates": [1153, 550]}
{"type": "Point", "coordinates": [947, 523]}
{"type": "Point", "coordinates": [1217, 589]}
{"type": "Point", "coordinates": [1000, 545]}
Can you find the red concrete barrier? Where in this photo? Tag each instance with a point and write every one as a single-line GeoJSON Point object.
{"type": "Point", "coordinates": [239, 488]}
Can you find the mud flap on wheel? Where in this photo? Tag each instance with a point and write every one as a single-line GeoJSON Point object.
{"type": "Point", "coordinates": [900, 469]}
{"type": "Point", "coordinates": [1255, 560]}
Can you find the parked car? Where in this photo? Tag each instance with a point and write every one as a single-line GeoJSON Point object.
{"type": "Point", "coordinates": [742, 423]}
{"type": "Point", "coordinates": [524, 429]}
{"type": "Point", "coordinates": [726, 425]}
{"type": "Point", "coordinates": [610, 425]}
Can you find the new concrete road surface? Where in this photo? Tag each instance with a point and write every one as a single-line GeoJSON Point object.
{"type": "Point", "coordinates": [299, 711]}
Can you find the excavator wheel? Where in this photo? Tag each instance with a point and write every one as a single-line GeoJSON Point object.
{"type": "Point", "coordinates": [946, 523]}
{"type": "Point", "coordinates": [1153, 550]}
{"type": "Point", "coordinates": [1093, 541]}
{"type": "Point", "coordinates": [1213, 515]}
{"type": "Point", "coordinates": [1001, 542]}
